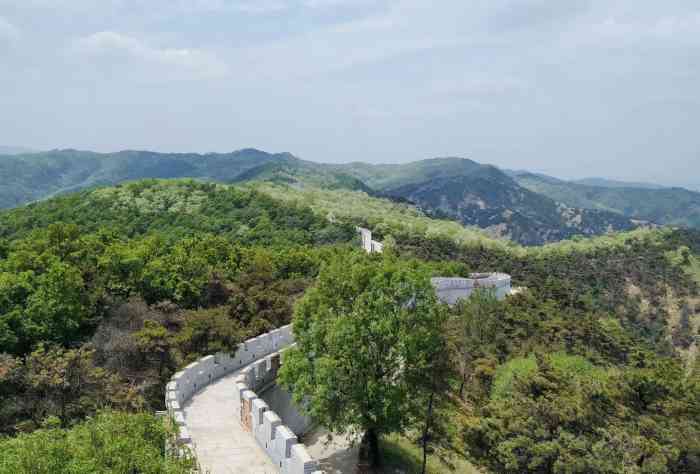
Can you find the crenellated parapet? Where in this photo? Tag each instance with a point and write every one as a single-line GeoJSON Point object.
{"type": "Point", "coordinates": [451, 290]}
{"type": "Point", "coordinates": [277, 439]}
{"type": "Point", "coordinates": [369, 245]}
{"type": "Point", "coordinates": [257, 362]}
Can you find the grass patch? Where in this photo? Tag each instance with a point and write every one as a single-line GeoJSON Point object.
{"type": "Point", "coordinates": [400, 455]}
{"type": "Point", "coordinates": [573, 366]}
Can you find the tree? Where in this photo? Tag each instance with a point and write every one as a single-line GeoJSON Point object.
{"type": "Point", "coordinates": [473, 331]}
{"type": "Point", "coordinates": [258, 299]}
{"type": "Point", "coordinates": [67, 384]}
{"type": "Point", "coordinates": [433, 390]}
{"type": "Point", "coordinates": [366, 334]}
{"type": "Point", "coordinates": [154, 341]}
{"type": "Point", "coordinates": [683, 333]}
{"type": "Point", "coordinates": [110, 442]}
{"type": "Point", "coordinates": [207, 331]}
{"type": "Point", "coordinates": [559, 413]}
{"type": "Point", "coordinates": [58, 308]}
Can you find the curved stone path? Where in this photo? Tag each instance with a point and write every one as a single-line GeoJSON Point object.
{"type": "Point", "coordinates": [221, 445]}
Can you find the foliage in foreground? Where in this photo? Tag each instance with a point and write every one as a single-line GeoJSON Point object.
{"type": "Point", "coordinates": [111, 442]}
{"type": "Point", "coordinates": [560, 390]}
{"type": "Point", "coordinates": [561, 419]}
{"type": "Point", "coordinates": [368, 335]}
{"type": "Point", "coordinates": [153, 274]}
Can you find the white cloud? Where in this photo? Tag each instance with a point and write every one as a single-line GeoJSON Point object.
{"type": "Point", "coordinates": [189, 63]}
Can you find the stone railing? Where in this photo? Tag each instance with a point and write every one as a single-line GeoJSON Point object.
{"type": "Point", "coordinates": [277, 439]}
{"type": "Point", "coordinates": [369, 245]}
{"type": "Point", "coordinates": [451, 290]}
{"type": "Point", "coordinates": [260, 358]}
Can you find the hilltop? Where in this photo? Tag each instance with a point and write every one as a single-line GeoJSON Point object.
{"type": "Point", "coordinates": [662, 205]}
{"type": "Point", "coordinates": [128, 284]}
{"type": "Point", "coordinates": [527, 208]}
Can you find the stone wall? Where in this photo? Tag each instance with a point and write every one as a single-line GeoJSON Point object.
{"type": "Point", "coordinates": [260, 359]}
{"type": "Point", "coordinates": [369, 245]}
{"type": "Point", "coordinates": [451, 290]}
{"type": "Point", "coordinates": [275, 432]}
{"type": "Point", "coordinates": [280, 401]}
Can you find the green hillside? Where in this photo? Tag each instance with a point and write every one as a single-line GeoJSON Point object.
{"type": "Point", "coordinates": [484, 196]}
{"type": "Point", "coordinates": [672, 206]}
{"type": "Point", "coordinates": [462, 190]}
{"type": "Point", "coordinates": [385, 177]}
{"type": "Point", "coordinates": [125, 285]}
{"type": "Point", "coordinates": [29, 177]}
{"type": "Point", "coordinates": [525, 211]}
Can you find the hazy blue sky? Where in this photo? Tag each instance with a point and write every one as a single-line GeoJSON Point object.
{"type": "Point", "coordinates": [570, 87]}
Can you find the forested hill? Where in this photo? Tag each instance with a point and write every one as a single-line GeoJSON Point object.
{"type": "Point", "coordinates": [454, 188]}
{"type": "Point", "coordinates": [34, 176]}
{"type": "Point", "coordinates": [178, 208]}
{"type": "Point", "coordinates": [489, 199]}
{"type": "Point", "coordinates": [673, 206]}
{"type": "Point", "coordinates": [458, 189]}
{"type": "Point", "coordinates": [105, 293]}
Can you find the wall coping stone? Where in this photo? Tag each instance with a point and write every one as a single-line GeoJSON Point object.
{"type": "Point", "coordinates": [255, 358]}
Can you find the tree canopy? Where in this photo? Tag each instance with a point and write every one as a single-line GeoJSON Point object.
{"type": "Point", "coordinates": [366, 334]}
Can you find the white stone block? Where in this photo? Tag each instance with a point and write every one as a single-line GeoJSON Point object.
{"type": "Point", "coordinates": [173, 406]}
{"type": "Point", "coordinates": [183, 436]}
{"type": "Point", "coordinates": [271, 421]}
{"type": "Point", "coordinates": [179, 418]}
{"type": "Point", "coordinates": [300, 461]}
{"type": "Point", "coordinates": [283, 442]}
{"type": "Point", "coordinates": [258, 410]}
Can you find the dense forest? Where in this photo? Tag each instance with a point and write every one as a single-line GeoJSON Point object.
{"type": "Point", "coordinates": [105, 293]}
{"type": "Point", "coordinates": [525, 208]}
{"type": "Point", "coordinates": [672, 206]}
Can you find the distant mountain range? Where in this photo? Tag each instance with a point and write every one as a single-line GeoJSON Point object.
{"type": "Point", "coordinates": [485, 196]}
{"type": "Point", "coordinates": [611, 183]}
{"type": "Point", "coordinates": [29, 177]}
{"type": "Point", "coordinates": [525, 207]}
{"type": "Point", "coordinates": [14, 150]}
{"type": "Point", "coordinates": [663, 205]}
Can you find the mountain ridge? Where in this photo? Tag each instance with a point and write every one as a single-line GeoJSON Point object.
{"type": "Point", "coordinates": [457, 188]}
{"type": "Point", "coordinates": [667, 205]}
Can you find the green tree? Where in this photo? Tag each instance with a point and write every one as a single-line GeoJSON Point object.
{"type": "Point", "coordinates": [259, 300]}
{"type": "Point", "coordinates": [67, 384]}
{"type": "Point", "coordinates": [366, 333]}
{"type": "Point", "coordinates": [57, 310]}
{"type": "Point", "coordinates": [111, 442]}
{"type": "Point", "coordinates": [207, 331]}
{"type": "Point", "coordinates": [473, 330]}
{"type": "Point", "coordinates": [559, 413]}
{"type": "Point", "coordinates": [155, 341]}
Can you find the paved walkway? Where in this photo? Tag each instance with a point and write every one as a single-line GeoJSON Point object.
{"type": "Point", "coordinates": [221, 445]}
{"type": "Point", "coordinates": [336, 454]}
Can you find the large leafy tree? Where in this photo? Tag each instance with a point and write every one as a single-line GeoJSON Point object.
{"type": "Point", "coordinates": [367, 334]}
{"type": "Point", "coordinates": [474, 331]}
{"type": "Point", "coordinates": [111, 442]}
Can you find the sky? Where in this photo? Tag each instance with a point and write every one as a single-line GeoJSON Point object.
{"type": "Point", "coordinates": [572, 88]}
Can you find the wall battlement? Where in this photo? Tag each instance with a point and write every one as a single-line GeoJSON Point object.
{"type": "Point", "coordinates": [369, 245]}
{"type": "Point", "coordinates": [451, 290]}
{"type": "Point", "coordinates": [260, 360]}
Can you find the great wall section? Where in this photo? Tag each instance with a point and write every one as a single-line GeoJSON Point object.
{"type": "Point", "coordinates": [221, 418]}
{"type": "Point", "coordinates": [232, 417]}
